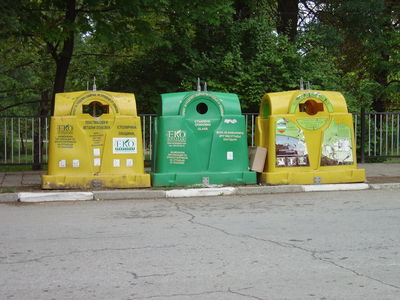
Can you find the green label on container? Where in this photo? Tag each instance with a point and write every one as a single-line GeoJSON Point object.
{"type": "Point", "coordinates": [202, 124]}
{"type": "Point", "coordinates": [312, 124]}
{"type": "Point", "coordinates": [176, 138]}
{"type": "Point", "coordinates": [311, 95]}
{"type": "Point", "coordinates": [230, 136]}
{"type": "Point", "coordinates": [337, 147]}
{"type": "Point", "coordinates": [177, 157]}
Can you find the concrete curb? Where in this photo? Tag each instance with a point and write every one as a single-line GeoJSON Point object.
{"type": "Point", "coordinates": [201, 192]}
{"type": "Point", "coordinates": [385, 186]}
{"type": "Point", "coordinates": [59, 196]}
{"type": "Point", "coordinates": [272, 189]}
{"type": "Point", "coordinates": [8, 197]}
{"type": "Point", "coordinates": [335, 187]}
{"type": "Point", "coordinates": [194, 192]}
{"type": "Point", "coordinates": [128, 194]}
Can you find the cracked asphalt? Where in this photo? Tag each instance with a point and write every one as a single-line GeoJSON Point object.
{"type": "Point", "coordinates": [335, 245]}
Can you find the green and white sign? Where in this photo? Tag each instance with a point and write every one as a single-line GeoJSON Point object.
{"type": "Point", "coordinates": [124, 145]}
{"type": "Point", "coordinates": [337, 145]}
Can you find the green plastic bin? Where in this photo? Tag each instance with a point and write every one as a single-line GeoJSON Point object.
{"type": "Point", "coordinates": [200, 138]}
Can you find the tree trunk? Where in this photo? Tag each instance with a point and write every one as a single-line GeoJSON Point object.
{"type": "Point", "coordinates": [380, 102]}
{"type": "Point", "coordinates": [63, 58]}
{"type": "Point", "coordinates": [381, 75]}
{"type": "Point", "coordinates": [288, 11]}
{"type": "Point", "coordinates": [242, 9]}
{"type": "Point", "coordinates": [62, 66]}
{"type": "Point", "coordinates": [39, 132]}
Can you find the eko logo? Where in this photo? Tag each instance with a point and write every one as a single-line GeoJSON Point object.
{"type": "Point", "coordinates": [65, 129]}
{"type": "Point", "coordinates": [124, 145]}
{"type": "Point", "coordinates": [176, 136]}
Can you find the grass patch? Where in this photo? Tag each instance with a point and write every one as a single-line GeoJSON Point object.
{"type": "Point", "coordinates": [392, 160]}
{"type": "Point", "coordinates": [8, 190]}
{"type": "Point", "coordinates": [17, 168]}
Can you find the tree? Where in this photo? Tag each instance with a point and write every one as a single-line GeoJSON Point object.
{"type": "Point", "coordinates": [364, 37]}
{"type": "Point", "coordinates": [288, 11]}
{"type": "Point", "coordinates": [53, 26]}
{"type": "Point", "coordinates": [238, 53]}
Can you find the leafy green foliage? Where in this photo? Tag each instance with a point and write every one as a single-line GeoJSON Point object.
{"type": "Point", "coordinates": [364, 37]}
{"type": "Point", "coordinates": [242, 56]}
{"type": "Point", "coordinates": [152, 47]}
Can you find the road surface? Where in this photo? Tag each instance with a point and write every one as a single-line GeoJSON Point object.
{"type": "Point", "coordinates": [334, 245]}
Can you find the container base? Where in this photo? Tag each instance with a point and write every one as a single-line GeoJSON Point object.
{"type": "Point", "coordinates": [314, 177]}
{"type": "Point", "coordinates": [53, 182]}
{"type": "Point", "coordinates": [203, 178]}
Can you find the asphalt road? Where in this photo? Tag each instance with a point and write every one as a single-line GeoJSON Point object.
{"type": "Point", "coordinates": [335, 245]}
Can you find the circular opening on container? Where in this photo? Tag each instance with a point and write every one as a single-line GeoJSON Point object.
{"type": "Point", "coordinates": [95, 109]}
{"type": "Point", "coordinates": [202, 108]}
{"type": "Point", "coordinates": [311, 107]}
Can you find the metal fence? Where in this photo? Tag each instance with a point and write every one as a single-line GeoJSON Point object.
{"type": "Point", "coordinates": [24, 140]}
{"type": "Point", "coordinates": [379, 134]}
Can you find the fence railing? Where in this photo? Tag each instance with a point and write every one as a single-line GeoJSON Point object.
{"type": "Point", "coordinates": [380, 134]}
{"type": "Point", "coordinates": [24, 140]}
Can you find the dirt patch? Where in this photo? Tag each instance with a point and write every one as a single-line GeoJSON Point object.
{"type": "Point", "coordinates": [383, 179]}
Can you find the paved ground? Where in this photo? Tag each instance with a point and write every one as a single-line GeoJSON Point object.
{"type": "Point", "coordinates": [21, 181]}
{"type": "Point", "coordinates": [30, 180]}
{"type": "Point", "coordinates": [382, 172]}
{"type": "Point", "coordinates": [332, 245]}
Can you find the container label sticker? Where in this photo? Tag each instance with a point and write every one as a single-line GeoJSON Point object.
{"type": "Point", "coordinates": [230, 136]}
{"type": "Point", "coordinates": [337, 148]}
{"type": "Point", "coordinates": [177, 157]}
{"type": "Point", "coordinates": [65, 141]}
{"type": "Point", "coordinates": [176, 138]}
{"type": "Point", "coordinates": [126, 127]}
{"type": "Point", "coordinates": [96, 125]}
{"type": "Point", "coordinates": [97, 139]}
{"type": "Point", "coordinates": [124, 145]}
{"type": "Point", "coordinates": [202, 124]}
{"type": "Point", "coordinates": [290, 145]}
{"type": "Point", "coordinates": [127, 130]}
{"type": "Point", "coordinates": [312, 124]}
{"type": "Point", "coordinates": [116, 163]}
{"type": "Point", "coordinates": [62, 163]}
{"type": "Point", "coordinates": [100, 95]}
{"type": "Point", "coordinates": [311, 95]}
{"type": "Point", "coordinates": [65, 129]}
{"type": "Point", "coordinates": [96, 130]}
{"type": "Point", "coordinates": [229, 155]}
{"type": "Point", "coordinates": [230, 121]}
{"type": "Point", "coordinates": [126, 133]}
{"type": "Point", "coordinates": [96, 162]}
{"type": "Point", "coordinates": [129, 162]}
{"type": "Point", "coordinates": [96, 152]}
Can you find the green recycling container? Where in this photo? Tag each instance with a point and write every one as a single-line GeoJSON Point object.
{"type": "Point", "coordinates": [200, 139]}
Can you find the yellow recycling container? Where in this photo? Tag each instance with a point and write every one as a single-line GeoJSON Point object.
{"type": "Point", "coordinates": [309, 136]}
{"type": "Point", "coordinates": [95, 141]}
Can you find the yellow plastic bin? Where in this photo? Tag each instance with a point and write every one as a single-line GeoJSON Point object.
{"type": "Point", "coordinates": [95, 141]}
{"type": "Point", "coordinates": [310, 138]}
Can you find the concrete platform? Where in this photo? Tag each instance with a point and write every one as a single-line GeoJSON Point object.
{"type": "Point", "coordinates": [13, 185]}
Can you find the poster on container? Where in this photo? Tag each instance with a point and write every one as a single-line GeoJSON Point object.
{"type": "Point", "coordinates": [337, 145]}
{"type": "Point", "coordinates": [290, 145]}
